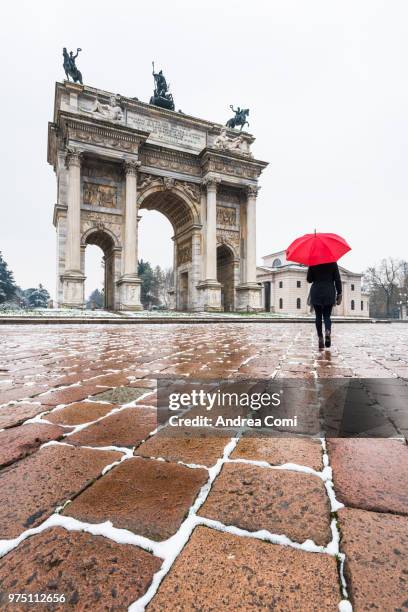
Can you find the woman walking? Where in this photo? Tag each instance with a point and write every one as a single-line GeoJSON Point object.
{"type": "Point", "coordinates": [326, 290]}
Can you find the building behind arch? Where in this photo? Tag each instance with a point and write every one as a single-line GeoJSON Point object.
{"type": "Point", "coordinates": [285, 289]}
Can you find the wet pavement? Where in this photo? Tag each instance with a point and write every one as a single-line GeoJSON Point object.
{"type": "Point", "coordinates": [99, 508]}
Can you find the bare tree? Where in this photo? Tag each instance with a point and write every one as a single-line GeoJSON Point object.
{"type": "Point", "coordinates": [383, 281]}
{"type": "Point", "coordinates": [166, 284]}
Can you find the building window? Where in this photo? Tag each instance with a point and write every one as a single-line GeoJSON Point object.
{"type": "Point", "coordinates": [280, 303]}
{"type": "Point", "coordinates": [298, 303]}
{"type": "Point", "coordinates": [280, 284]}
{"type": "Point", "coordinates": [362, 305]}
{"type": "Point", "coordinates": [298, 284]}
{"type": "Point", "coordinates": [352, 287]}
{"type": "Point", "coordinates": [352, 304]}
{"type": "Point", "coordinates": [276, 263]}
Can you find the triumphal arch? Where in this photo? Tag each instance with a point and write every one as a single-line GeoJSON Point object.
{"type": "Point", "coordinates": [115, 156]}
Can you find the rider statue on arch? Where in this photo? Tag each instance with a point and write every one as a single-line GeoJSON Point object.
{"type": "Point", "coordinates": [70, 67]}
{"type": "Point", "coordinates": [240, 118]}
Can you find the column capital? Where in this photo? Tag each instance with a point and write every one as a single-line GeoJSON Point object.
{"type": "Point", "coordinates": [73, 157]}
{"type": "Point", "coordinates": [252, 191]}
{"type": "Point", "coordinates": [131, 166]}
{"type": "Point", "coordinates": [211, 182]}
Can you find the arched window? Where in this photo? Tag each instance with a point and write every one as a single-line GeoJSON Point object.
{"type": "Point", "coordinates": [276, 263]}
{"type": "Point", "coordinates": [280, 303]}
{"type": "Point", "coordinates": [352, 305]}
{"type": "Point", "coordinates": [298, 303]}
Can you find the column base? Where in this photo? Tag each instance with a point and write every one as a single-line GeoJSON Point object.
{"type": "Point", "coordinates": [210, 298]}
{"type": "Point", "coordinates": [73, 282]}
{"type": "Point", "coordinates": [249, 297]}
{"type": "Point", "coordinates": [129, 292]}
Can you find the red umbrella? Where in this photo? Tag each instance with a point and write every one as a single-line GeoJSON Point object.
{"type": "Point", "coordinates": [317, 248]}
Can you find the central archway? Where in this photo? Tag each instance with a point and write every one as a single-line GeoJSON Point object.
{"type": "Point", "coordinates": [181, 209]}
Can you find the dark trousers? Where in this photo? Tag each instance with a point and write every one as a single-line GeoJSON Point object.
{"type": "Point", "coordinates": [322, 313]}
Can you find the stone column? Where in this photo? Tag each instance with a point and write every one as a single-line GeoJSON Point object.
{"type": "Point", "coordinates": [129, 283]}
{"type": "Point", "coordinates": [73, 278]}
{"type": "Point", "coordinates": [250, 272]}
{"type": "Point", "coordinates": [211, 230]}
{"type": "Point", "coordinates": [130, 244]}
{"type": "Point", "coordinates": [196, 253]}
{"type": "Point", "coordinates": [203, 219]}
{"type": "Point", "coordinates": [249, 292]}
{"type": "Point", "coordinates": [211, 288]}
{"type": "Point", "coordinates": [73, 252]}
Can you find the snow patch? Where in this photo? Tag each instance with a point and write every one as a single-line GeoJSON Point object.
{"type": "Point", "coordinates": [345, 606]}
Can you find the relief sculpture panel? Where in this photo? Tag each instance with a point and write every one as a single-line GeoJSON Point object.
{"type": "Point", "coordinates": [226, 215]}
{"type": "Point", "coordinates": [184, 253]}
{"type": "Point", "coordinates": [104, 196]}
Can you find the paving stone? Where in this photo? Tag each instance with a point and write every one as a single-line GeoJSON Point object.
{"type": "Point", "coordinates": [127, 427]}
{"type": "Point", "coordinates": [68, 395]}
{"type": "Point", "coordinates": [79, 413]}
{"type": "Point", "coordinates": [14, 414]}
{"type": "Point", "coordinates": [93, 573]}
{"type": "Point", "coordinates": [144, 382]}
{"type": "Point", "coordinates": [220, 571]}
{"type": "Point", "coordinates": [21, 393]}
{"type": "Point", "coordinates": [202, 451]}
{"type": "Point", "coordinates": [148, 497]}
{"type": "Point", "coordinates": [376, 568]}
{"type": "Point", "coordinates": [113, 380]}
{"type": "Point", "coordinates": [370, 473]}
{"type": "Point", "coordinates": [31, 489]}
{"type": "Point", "coordinates": [283, 502]}
{"type": "Point", "coordinates": [121, 395]}
{"type": "Point", "coordinates": [18, 442]}
{"type": "Point", "coordinates": [278, 451]}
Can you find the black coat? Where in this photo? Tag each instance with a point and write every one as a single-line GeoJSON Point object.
{"type": "Point", "coordinates": [326, 282]}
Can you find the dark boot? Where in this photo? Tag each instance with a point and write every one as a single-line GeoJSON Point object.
{"type": "Point", "coordinates": [321, 342]}
{"type": "Point", "coordinates": [327, 339]}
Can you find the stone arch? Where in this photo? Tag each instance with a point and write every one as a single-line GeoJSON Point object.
{"type": "Point", "coordinates": [173, 203]}
{"type": "Point", "coordinates": [100, 233]}
{"type": "Point", "coordinates": [179, 204]}
{"type": "Point", "coordinates": [225, 275]}
{"type": "Point", "coordinates": [234, 249]}
{"type": "Point", "coordinates": [106, 240]}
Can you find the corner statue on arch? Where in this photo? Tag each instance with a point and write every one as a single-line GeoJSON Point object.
{"type": "Point", "coordinates": [115, 156]}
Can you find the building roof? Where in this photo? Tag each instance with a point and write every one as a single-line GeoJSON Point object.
{"type": "Point", "coordinates": [289, 267]}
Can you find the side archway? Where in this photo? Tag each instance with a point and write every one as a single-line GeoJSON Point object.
{"type": "Point", "coordinates": [226, 275]}
{"type": "Point", "coordinates": [107, 242]}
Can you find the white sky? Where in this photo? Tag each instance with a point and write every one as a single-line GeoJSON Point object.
{"type": "Point", "coordinates": [326, 83]}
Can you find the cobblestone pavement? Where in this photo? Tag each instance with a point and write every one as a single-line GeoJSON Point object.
{"type": "Point", "coordinates": [98, 507]}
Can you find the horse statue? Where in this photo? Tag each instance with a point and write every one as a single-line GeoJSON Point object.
{"type": "Point", "coordinates": [240, 118]}
{"type": "Point", "coordinates": [70, 67]}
